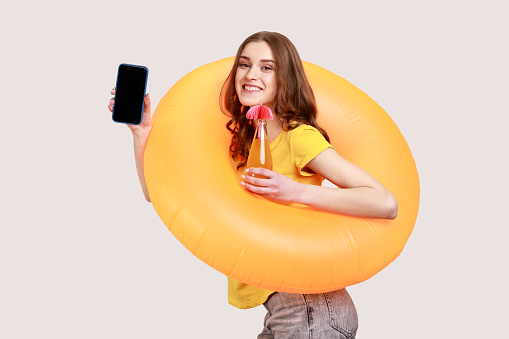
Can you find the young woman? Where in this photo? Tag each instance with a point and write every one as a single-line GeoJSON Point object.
{"type": "Point", "coordinates": [267, 67]}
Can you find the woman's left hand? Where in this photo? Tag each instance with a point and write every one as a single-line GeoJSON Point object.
{"type": "Point", "coordinates": [276, 186]}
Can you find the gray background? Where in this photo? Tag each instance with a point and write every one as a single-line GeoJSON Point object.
{"type": "Point", "coordinates": [82, 255]}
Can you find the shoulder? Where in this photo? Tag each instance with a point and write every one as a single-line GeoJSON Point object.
{"type": "Point", "coordinates": [303, 128]}
{"type": "Point", "coordinates": [306, 142]}
{"type": "Point", "coordinates": [305, 134]}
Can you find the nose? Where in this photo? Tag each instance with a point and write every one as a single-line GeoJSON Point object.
{"type": "Point", "coordinates": [253, 74]}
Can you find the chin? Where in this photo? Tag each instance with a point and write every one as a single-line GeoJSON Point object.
{"type": "Point", "coordinates": [250, 102]}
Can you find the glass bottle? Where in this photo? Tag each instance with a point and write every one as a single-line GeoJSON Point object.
{"type": "Point", "coordinates": [259, 154]}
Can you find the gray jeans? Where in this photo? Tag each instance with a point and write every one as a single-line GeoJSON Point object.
{"type": "Point", "coordinates": [311, 316]}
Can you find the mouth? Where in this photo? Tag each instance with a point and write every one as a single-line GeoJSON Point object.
{"type": "Point", "coordinates": [251, 88]}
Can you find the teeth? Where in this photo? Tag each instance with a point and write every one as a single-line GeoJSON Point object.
{"type": "Point", "coordinates": [252, 88]}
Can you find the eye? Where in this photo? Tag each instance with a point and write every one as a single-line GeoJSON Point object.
{"type": "Point", "coordinates": [243, 65]}
{"type": "Point", "coordinates": [266, 68]}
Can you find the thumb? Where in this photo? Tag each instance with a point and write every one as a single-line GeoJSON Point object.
{"type": "Point", "coordinates": [146, 108]}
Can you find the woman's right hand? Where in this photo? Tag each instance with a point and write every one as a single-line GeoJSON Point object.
{"type": "Point", "coordinates": [145, 125]}
{"type": "Point", "coordinates": [140, 137]}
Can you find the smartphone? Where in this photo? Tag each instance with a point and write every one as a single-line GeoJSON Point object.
{"type": "Point", "coordinates": [129, 94]}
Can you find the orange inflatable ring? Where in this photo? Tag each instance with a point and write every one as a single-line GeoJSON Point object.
{"type": "Point", "coordinates": [197, 194]}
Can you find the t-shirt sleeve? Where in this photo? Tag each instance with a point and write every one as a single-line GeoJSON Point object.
{"type": "Point", "coordinates": [307, 142]}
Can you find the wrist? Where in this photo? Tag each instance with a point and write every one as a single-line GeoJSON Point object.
{"type": "Point", "coordinates": [301, 194]}
{"type": "Point", "coordinates": [141, 133]}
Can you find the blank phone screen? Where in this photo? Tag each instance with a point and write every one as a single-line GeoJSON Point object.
{"type": "Point", "coordinates": [129, 94]}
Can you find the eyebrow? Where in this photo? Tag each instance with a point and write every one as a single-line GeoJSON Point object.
{"type": "Point", "coordinates": [262, 60]}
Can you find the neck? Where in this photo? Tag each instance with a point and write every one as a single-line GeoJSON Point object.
{"type": "Point", "coordinates": [274, 127]}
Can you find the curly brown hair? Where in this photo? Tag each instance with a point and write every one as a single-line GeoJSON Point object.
{"type": "Point", "coordinates": [294, 102]}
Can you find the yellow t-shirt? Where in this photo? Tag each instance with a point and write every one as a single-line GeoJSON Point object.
{"type": "Point", "coordinates": [291, 152]}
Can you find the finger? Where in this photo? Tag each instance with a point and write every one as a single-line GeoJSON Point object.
{"type": "Point", "coordinates": [147, 101]}
{"type": "Point", "coordinates": [254, 188]}
{"type": "Point", "coordinates": [113, 91]}
{"type": "Point", "coordinates": [110, 106]}
{"type": "Point", "coordinates": [255, 181]}
{"type": "Point", "coordinates": [260, 171]}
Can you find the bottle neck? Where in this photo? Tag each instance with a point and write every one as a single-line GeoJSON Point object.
{"type": "Point", "coordinates": [261, 129]}
{"type": "Point", "coordinates": [261, 122]}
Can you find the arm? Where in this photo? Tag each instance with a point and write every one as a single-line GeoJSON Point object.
{"type": "Point", "coordinates": [140, 142]}
{"type": "Point", "coordinates": [359, 194]}
{"type": "Point", "coordinates": [140, 136]}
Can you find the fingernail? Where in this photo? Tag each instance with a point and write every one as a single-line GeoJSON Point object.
{"type": "Point", "coordinates": [243, 177]}
{"type": "Point", "coordinates": [243, 183]}
{"type": "Point", "coordinates": [247, 169]}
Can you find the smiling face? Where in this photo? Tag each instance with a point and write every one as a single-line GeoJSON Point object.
{"type": "Point", "coordinates": [255, 78]}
